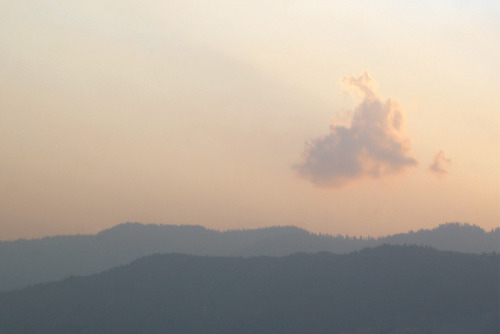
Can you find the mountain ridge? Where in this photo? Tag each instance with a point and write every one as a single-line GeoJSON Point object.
{"type": "Point", "coordinates": [387, 289]}
{"type": "Point", "coordinates": [27, 262]}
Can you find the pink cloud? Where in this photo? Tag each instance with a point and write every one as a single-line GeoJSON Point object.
{"type": "Point", "coordinates": [373, 145]}
{"type": "Point", "coordinates": [440, 164]}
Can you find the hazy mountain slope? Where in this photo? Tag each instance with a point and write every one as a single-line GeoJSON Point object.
{"type": "Point", "coordinates": [452, 236]}
{"type": "Point", "coordinates": [389, 289]}
{"type": "Point", "coordinates": [27, 262]}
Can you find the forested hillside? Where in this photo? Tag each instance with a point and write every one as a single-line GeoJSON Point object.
{"type": "Point", "coordinates": [389, 289]}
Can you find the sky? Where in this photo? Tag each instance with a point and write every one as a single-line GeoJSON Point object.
{"type": "Point", "coordinates": [340, 117]}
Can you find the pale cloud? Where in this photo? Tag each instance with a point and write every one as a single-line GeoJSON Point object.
{"type": "Point", "coordinates": [373, 145]}
{"type": "Point", "coordinates": [440, 164]}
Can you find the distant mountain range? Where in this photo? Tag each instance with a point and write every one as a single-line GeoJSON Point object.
{"type": "Point", "coordinates": [388, 289]}
{"type": "Point", "coordinates": [27, 262]}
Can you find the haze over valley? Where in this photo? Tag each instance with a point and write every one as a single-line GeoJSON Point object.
{"type": "Point", "coordinates": [27, 262]}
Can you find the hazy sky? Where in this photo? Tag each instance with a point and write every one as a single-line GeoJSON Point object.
{"type": "Point", "coordinates": [358, 117]}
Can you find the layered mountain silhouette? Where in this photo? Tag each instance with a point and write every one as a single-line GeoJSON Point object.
{"type": "Point", "coordinates": [27, 262]}
{"type": "Point", "coordinates": [388, 289]}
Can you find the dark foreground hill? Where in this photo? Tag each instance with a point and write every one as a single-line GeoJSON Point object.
{"type": "Point", "coordinates": [27, 262]}
{"type": "Point", "coordinates": [389, 289]}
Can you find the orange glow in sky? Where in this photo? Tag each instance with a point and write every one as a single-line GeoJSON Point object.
{"type": "Point", "coordinates": [220, 114]}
